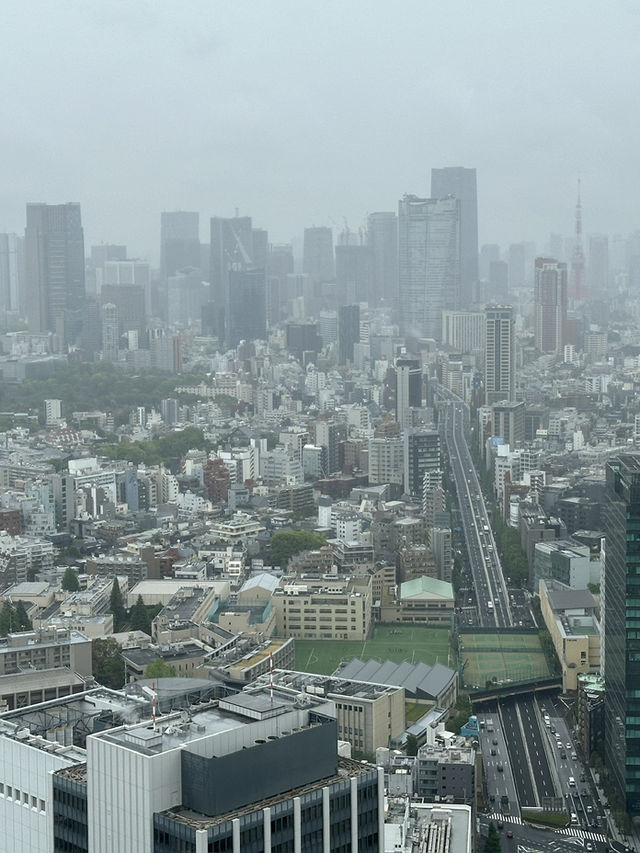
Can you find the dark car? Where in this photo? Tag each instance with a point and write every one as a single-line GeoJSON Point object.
{"type": "Point", "coordinates": [500, 768]}
{"type": "Point", "coordinates": [493, 752]}
{"type": "Point", "coordinates": [500, 825]}
{"type": "Point", "coordinates": [495, 741]}
{"type": "Point", "coordinates": [509, 833]}
{"type": "Point", "coordinates": [563, 755]}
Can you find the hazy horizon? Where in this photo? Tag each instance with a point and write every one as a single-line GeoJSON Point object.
{"type": "Point", "coordinates": [313, 113]}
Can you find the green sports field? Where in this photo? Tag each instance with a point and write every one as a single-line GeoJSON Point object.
{"type": "Point", "coordinates": [504, 657]}
{"type": "Point", "coordinates": [389, 642]}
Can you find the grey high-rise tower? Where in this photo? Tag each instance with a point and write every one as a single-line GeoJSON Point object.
{"type": "Point", "coordinates": [231, 249]}
{"type": "Point", "coordinates": [500, 355]}
{"type": "Point", "coordinates": [461, 183]}
{"type": "Point", "coordinates": [317, 259]}
{"type": "Point", "coordinates": [382, 238]}
{"type": "Point", "coordinates": [428, 263]}
{"type": "Point", "coordinates": [621, 627]}
{"type": "Point", "coordinates": [550, 305]}
{"type": "Point", "coordinates": [179, 241]}
{"type": "Point", "coordinates": [54, 268]}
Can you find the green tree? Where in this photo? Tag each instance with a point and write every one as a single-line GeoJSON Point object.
{"type": "Point", "coordinates": [139, 617]}
{"type": "Point", "coordinates": [411, 745]}
{"type": "Point", "coordinates": [22, 621]}
{"type": "Point", "coordinates": [70, 580]}
{"type": "Point", "coordinates": [108, 663]}
{"type": "Point", "coordinates": [7, 619]}
{"type": "Point", "coordinates": [116, 606]}
{"type": "Point", "coordinates": [492, 844]}
{"type": "Point", "coordinates": [159, 669]}
{"type": "Point", "coordinates": [285, 543]}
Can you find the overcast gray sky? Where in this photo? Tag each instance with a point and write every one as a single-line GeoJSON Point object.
{"type": "Point", "coordinates": [302, 113]}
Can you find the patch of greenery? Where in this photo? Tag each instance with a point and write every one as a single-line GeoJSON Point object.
{"type": "Point", "coordinates": [554, 819]}
{"type": "Point", "coordinates": [285, 543]}
{"type": "Point", "coordinates": [157, 451]}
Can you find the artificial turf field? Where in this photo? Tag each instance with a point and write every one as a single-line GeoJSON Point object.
{"type": "Point", "coordinates": [503, 657]}
{"type": "Point", "coordinates": [388, 642]}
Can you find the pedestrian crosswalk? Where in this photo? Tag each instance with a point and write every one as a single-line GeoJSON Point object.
{"type": "Point", "coordinates": [576, 832]}
{"type": "Point", "coordinates": [586, 834]}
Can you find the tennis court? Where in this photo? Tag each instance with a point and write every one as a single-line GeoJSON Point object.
{"type": "Point", "coordinates": [388, 642]}
{"type": "Point", "coordinates": [503, 657]}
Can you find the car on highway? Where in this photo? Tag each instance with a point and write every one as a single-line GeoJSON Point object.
{"type": "Point", "coordinates": [568, 744]}
{"type": "Point", "coordinates": [495, 741]}
{"type": "Point", "coordinates": [588, 846]}
{"type": "Point", "coordinates": [493, 752]}
{"type": "Point", "coordinates": [509, 833]}
{"type": "Point", "coordinates": [563, 756]}
{"type": "Point", "coordinates": [500, 768]}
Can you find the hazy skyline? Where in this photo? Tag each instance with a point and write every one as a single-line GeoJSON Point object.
{"type": "Point", "coordinates": [302, 113]}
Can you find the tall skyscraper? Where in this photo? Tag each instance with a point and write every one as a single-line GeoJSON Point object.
{"type": "Point", "coordinates": [11, 273]}
{"type": "Point", "coordinates": [247, 306]}
{"type": "Point", "coordinates": [408, 389]}
{"type": "Point", "coordinates": [54, 268]}
{"type": "Point", "coordinates": [110, 332]}
{"type": "Point", "coordinates": [550, 305]}
{"type": "Point", "coordinates": [621, 629]}
{"type": "Point", "coordinates": [231, 249]}
{"type": "Point", "coordinates": [353, 273]}
{"type": "Point", "coordinates": [428, 262]}
{"type": "Point", "coordinates": [179, 241]}
{"type": "Point", "coordinates": [461, 183]}
{"type": "Point", "coordinates": [317, 254]}
{"type": "Point", "coordinates": [382, 239]}
{"type": "Point", "coordinates": [499, 361]}
{"type": "Point", "coordinates": [348, 331]}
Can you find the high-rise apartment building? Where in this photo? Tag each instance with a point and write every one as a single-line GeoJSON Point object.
{"type": "Point", "coordinates": [500, 356]}
{"type": "Point", "coordinates": [428, 263]}
{"type": "Point", "coordinates": [621, 630]}
{"type": "Point", "coordinates": [317, 254]}
{"type": "Point", "coordinates": [179, 241]}
{"type": "Point", "coordinates": [110, 332]}
{"type": "Point", "coordinates": [461, 183]}
{"type": "Point", "coordinates": [550, 305]}
{"type": "Point", "coordinates": [54, 269]}
{"type": "Point", "coordinates": [421, 455]}
{"type": "Point", "coordinates": [382, 239]}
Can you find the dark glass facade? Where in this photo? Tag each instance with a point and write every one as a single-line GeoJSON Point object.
{"type": "Point", "coordinates": [70, 828]}
{"type": "Point", "coordinates": [172, 835]}
{"type": "Point", "coordinates": [622, 627]}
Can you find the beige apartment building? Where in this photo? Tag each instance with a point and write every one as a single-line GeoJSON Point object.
{"type": "Point", "coordinates": [323, 609]}
{"type": "Point", "coordinates": [570, 617]}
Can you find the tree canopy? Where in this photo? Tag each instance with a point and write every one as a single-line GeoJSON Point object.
{"type": "Point", "coordinates": [70, 581]}
{"type": "Point", "coordinates": [108, 663]}
{"type": "Point", "coordinates": [116, 607]}
{"type": "Point", "coordinates": [157, 451]}
{"type": "Point", "coordinates": [13, 618]}
{"type": "Point", "coordinates": [139, 617]}
{"type": "Point", "coordinates": [285, 543]}
{"type": "Point", "coordinates": [159, 669]}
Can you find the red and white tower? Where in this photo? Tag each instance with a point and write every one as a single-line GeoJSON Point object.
{"type": "Point", "coordinates": [578, 279]}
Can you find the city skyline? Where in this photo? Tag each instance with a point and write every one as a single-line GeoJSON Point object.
{"type": "Point", "coordinates": [258, 134]}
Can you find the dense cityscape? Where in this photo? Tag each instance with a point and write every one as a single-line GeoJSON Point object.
{"type": "Point", "coordinates": [382, 494]}
{"type": "Point", "coordinates": [319, 428]}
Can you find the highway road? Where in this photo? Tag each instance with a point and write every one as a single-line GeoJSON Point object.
{"type": "Point", "coordinates": [491, 593]}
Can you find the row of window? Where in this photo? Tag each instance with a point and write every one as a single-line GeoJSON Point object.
{"type": "Point", "coordinates": [21, 797]}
